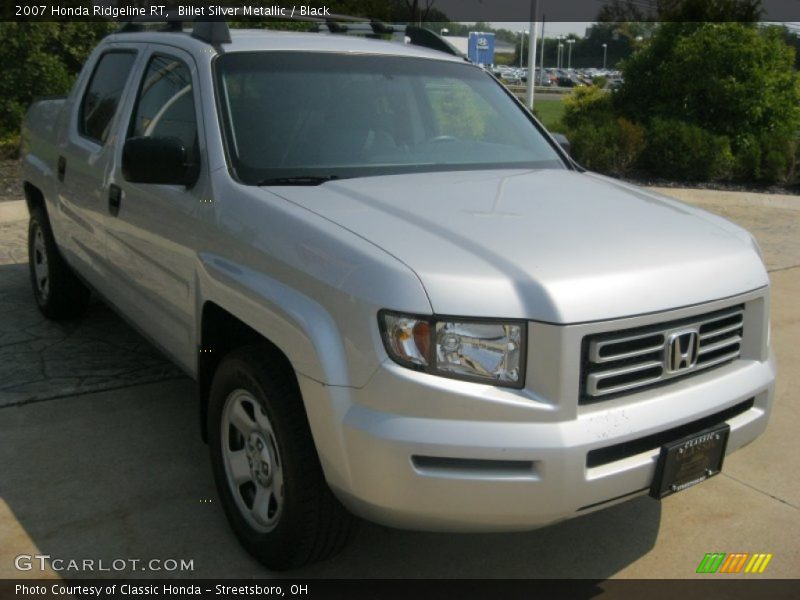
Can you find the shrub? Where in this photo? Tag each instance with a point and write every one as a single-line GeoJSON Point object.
{"type": "Point", "coordinates": [40, 59]}
{"type": "Point", "coordinates": [29, 70]}
{"type": "Point", "coordinates": [734, 80]}
{"type": "Point", "coordinates": [770, 158]}
{"type": "Point", "coordinates": [587, 105]}
{"type": "Point", "coordinates": [611, 146]}
{"type": "Point", "coordinates": [678, 150]}
{"type": "Point", "coordinates": [589, 145]}
{"type": "Point", "coordinates": [728, 78]}
{"type": "Point", "coordinates": [600, 140]}
{"type": "Point", "coordinates": [747, 152]}
{"type": "Point", "coordinates": [9, 146]}
{"type": "Point", "coordinates": [631, 142]}
{"type": "Point", "coordinates": [778, 157]}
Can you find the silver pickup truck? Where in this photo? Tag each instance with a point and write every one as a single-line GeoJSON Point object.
{"type": "Point", "coordinates": [400, 298]}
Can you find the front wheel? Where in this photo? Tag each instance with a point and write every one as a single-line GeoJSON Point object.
{"type": "Point", "coordinates": [265, 465]}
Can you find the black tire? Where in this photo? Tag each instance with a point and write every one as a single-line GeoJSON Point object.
{"type": "Point", "coordinates": [310, 524]}
{"type": "Point", "coordinates": [58, 292]}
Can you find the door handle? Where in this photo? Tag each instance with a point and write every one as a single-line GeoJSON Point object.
{"type": "Point", "coordinates": [62, 168]}
{"type": "Point", "coordinates": [114, 199]}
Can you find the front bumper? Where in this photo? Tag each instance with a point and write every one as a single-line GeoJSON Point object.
{"type": "Point", "coordinates": [417, 451]}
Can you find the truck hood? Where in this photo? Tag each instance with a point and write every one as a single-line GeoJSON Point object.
{"type": "Point", "coordinates": [550, 245]}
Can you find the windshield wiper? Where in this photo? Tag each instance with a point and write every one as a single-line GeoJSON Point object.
{"type": "Point", "coordinates": [299, 180]}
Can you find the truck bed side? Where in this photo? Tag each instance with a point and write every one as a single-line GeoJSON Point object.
{"type": "Point", "coordinates": [41, 133]}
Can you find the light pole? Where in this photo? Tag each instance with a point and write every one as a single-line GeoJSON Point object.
{"type": "Point", "coordinates": [556, 65]}
{"type": "Point", "coordinates": [569, 59]}
{"type": "Point", "coordinates": [559, 51]}
{"type": "Point", "coordinates": [605, 50]}
{"type": "Point", "coordinates": [541, 57]}
{"type": "Point", "coordinates": [522, 35]}
{"type": "Point", "coordinates": [529, 83]}
{"type": "Point", "coordinates": [444, 30]}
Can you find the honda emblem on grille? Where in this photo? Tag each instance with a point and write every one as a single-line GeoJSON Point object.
{"type": "Point", "coordinates": [682, 350]}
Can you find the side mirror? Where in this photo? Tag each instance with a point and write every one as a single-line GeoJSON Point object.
{"type": "Point", "coordinates": [562, 141]}
{"type": "Point", "coordinates": [157, 160]}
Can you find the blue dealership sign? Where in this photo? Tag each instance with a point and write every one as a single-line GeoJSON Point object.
{"type": "Point", "coordinates": [481, 48]}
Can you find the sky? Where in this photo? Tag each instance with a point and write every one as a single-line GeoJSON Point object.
{"type": "Point", "coordinates": [550, 29]}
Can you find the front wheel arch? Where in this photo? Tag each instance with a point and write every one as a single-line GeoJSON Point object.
{"type": "Point", "coordinates": [222, 333]}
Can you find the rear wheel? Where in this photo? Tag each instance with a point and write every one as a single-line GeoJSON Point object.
{"type": "Point", "coordinates": [58, 292]}
{"type": "Point", "coordinates": [265, 464]}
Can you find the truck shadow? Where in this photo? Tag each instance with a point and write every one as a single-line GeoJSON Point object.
{"type": "Point", "coordinates": [594, 546]}
{"type": "Point", "coordinates": [120, 472]}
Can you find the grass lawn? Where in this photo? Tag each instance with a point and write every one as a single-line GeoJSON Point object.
{"type": "Point", "coordinates": [549, 110]}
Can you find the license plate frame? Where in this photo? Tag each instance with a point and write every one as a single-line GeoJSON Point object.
{"type": "Point", "coordinates": [690, 460]}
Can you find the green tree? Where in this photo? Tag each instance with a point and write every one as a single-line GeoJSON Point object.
{"type": "Point", "coordinates": [40, 59]}
{"type": "Point", "coordinates": [636, 11]}
{"type": "Point", "coordinates": [730, 79]}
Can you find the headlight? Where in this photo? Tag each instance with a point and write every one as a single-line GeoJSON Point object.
{"type": "Point", "coordinates": [472, 349]}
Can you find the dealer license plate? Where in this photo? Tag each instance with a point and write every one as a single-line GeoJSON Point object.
{"type": "Point", "coordinates": [690, 460]}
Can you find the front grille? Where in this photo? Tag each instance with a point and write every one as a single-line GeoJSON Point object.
{"type": "Point", "coordinates": [624, 361]}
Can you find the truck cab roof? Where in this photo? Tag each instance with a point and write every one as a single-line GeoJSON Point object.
{"type": "Point", "coordinates": [265, 40]}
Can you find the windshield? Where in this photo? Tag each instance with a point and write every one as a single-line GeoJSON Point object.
{"type": "Point", "coordinates": [310, 117]}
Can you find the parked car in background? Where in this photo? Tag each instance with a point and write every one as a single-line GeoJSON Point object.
{"type": "Point", "coordinates": [512, 76]}
{"type": "Point", "coordinates": [615, 83]}
{"type": "Point", "coordinates": [567, 79]}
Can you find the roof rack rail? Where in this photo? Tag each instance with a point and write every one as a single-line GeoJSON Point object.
{"type": "Point", "coordinates": [141, 24]}
{"type": "Point", "coordinates": [216, 32]}
{"type": "Point", "coordinates": [418, 36]}
{"type": "Point", "coordinates": [211, 32]}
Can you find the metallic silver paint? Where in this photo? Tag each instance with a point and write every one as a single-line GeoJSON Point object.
{"type": "Point", "coordinates": [556, 246]}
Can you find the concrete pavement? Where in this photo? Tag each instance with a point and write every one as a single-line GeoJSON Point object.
{"type": "Point", "coordinates": [40, 359]}
{"type": "Point", "coordinates": [122, 473]}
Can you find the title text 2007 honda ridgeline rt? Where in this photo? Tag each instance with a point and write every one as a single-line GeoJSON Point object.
{"type": "Point", "coordinates": [399, 296]}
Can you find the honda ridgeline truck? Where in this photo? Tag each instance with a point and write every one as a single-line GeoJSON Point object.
{"type": "Point", "coordinates": [400, 298]}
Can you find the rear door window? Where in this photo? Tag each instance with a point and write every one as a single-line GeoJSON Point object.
{"type": "Point", "coordinates": [102, 96]}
